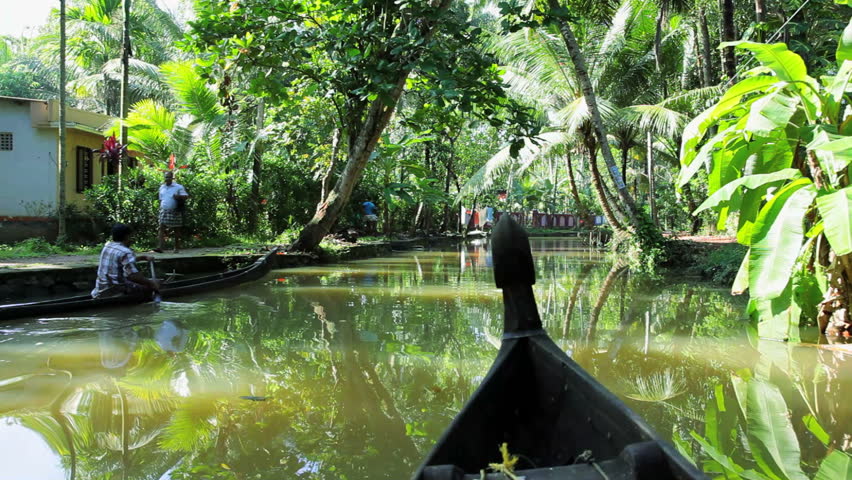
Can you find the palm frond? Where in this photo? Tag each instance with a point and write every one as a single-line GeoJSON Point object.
{"type": "Point", "coordinates": [657, 387]}
{"type": "Point", "coordinates": [658, 119]}
{"type": "Point", "coordinates": [193, 94]}
{"type": "Point", "coordinates": [500, 163]}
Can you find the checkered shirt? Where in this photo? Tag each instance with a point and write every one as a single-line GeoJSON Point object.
{"type": "Point", "coordinates": [116, 264]}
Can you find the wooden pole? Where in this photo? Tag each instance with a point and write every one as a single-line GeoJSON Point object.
{"type": "Point", "coordinates": [125, 86]}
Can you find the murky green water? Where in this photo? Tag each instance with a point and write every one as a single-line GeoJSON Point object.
{"type": "Point", "coordinates": [352, 371]}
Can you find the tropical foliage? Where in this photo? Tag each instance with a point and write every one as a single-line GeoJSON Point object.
{"type": "Point", "coordinates": [777, 150]}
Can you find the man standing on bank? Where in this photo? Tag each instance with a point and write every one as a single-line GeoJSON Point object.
{"type": "Point", "coordinates": [172, 205]}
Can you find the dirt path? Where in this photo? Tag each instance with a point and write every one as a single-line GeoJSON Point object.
{"type": "Point", "coordinates": [709, 239]}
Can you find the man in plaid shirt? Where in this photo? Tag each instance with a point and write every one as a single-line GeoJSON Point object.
{"type": "Point", "coordinates": [117, 272]}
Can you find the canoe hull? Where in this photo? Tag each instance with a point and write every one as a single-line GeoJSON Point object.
{"type": "Point", "coordinates": [556, 417]}
{"type": "Point", "coordinates": [253, 272]}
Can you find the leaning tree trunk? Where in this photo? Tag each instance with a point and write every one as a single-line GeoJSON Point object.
{"type": "Point", "coordinates": [359, 153]}
{"type": "Point", "coordinates": [326, 178]}
{"type": "Point", "coordinates": [591, 101]}
{"type": "Point", "coordinates": [598, 186]}
{"type": "Point", "coordinates": [572, 182]}
{"type": "Point", "coordinates": [61, 150]}
{"type": "Point", "coordinates": [361, 147]}
{"type": "Point", "coordinates": [729, 62]}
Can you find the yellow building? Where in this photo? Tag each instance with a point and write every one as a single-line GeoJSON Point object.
{"type": "Point", "coordinates": [29, 167]}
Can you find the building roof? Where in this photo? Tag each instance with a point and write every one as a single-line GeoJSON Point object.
{"type": "Point", "coordinates": [21, 99]}
{"type": "Point", "coordinates": [46, 115]}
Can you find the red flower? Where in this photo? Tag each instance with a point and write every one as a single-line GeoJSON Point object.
{"type": "Point", "coordinates": [263, 201]}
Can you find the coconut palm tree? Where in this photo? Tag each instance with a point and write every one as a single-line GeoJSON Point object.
{"type": "Point", "coordinates": [95, 36]}
{"type": "Point", "coordinates": [538, 65]}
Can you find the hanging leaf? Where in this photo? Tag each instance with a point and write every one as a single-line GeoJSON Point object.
{"type": "Point", "coordinates": [836, 211]}
{"type": "Point", "coordinates": [777, 238]}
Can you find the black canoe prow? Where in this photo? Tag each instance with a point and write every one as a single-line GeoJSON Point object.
{"type": "Point", "coordinates": [207, 283]}
{"type": "Point", "coordinates": [550, 412]}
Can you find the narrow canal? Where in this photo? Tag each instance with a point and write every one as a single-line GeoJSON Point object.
{"type": "Point", "coordinates": [352, 371]}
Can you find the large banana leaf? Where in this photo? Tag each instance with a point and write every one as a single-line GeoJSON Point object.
{"type": "Point", "coordinates": [787, 65]}
{"type": "Point", "coordinates": [836, 465]}
{"type": "Point", "coordinates": [771, 112]}
{"type": "Point", "coordinates": [836, 211]}
{"type": "Point", "coordinates": [770, 433]}
{"type": "Point", "coordinates": [749, 182]}
{"type": "Point", "coordinates": [777, 237]}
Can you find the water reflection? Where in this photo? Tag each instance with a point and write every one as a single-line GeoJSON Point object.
{"type": "Point", "coordinates": [353, 371]}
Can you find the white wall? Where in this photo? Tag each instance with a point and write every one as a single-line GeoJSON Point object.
{"type": "Point", "coordinates": [27, 173]}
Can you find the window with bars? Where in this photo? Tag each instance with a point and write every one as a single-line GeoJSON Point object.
{"type": "Point", "coordinates": [6, 141]}
{"type": "Point", "coordinates": [84, 169]}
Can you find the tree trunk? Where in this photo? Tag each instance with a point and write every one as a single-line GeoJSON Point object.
{"type": "Point", "coordinates": [760, 17]}
{"type": "Point", "coordinates": [61, 149]}
{"type": "Point", "coordinates": [729, 62]}
{"type": "Point", "coordinates": [446, 222]}
{"type": "Point", "coordinates": [625, 153]}
{"type": "Point", "coordinates": [652, 202]}
{"type": "Point", "coordinates": [597, 184]}
{"type": "Point", "coordinates": [693, 206]}
{"type": "Point", "coordinates": [256, 166]}
{"type": "Point", "coordinates": [572, 182]}
{"type": "Point", "coordinates": [706, 50]}
{"type": "Point", "coordinates": [326, 178]}
{"type": "Point", "coordinates": [658, 47]}
{"type": "Point", "coordinates": [591, 101]}
{"type": "Point", "coordinates": [125, 84]}
{"type": "Point", "coordinates": [363, 143]}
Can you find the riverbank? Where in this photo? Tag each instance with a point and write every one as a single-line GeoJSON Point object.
{"type": "Point", "coordinates": [36, 278]}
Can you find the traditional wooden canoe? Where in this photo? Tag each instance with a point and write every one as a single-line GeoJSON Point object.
{"type": "Point", "coordinates": [175, 289]}
{"type": "Point", "coordinates": [556, 417]}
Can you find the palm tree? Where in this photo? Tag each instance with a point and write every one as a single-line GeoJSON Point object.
{"type": "Point", "coordinates": [61, 153]}
{"type": "Point", "coordinates": [539, 73]}
{"type": "Point", "coordinates": [95, 44]}
{"type": "Point", "coordinates": [585, 82]}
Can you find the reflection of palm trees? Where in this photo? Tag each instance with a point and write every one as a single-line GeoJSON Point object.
{"type": "Point", "coordinates": [657, 387]}
{"type": "Point", "coordinates": [363, 395]}
{"type": "Point", "coordinates": [614, 272]}
{"type": "Point", "coordinates": [572, 300]}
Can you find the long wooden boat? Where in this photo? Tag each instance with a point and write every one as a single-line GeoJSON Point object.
{"type": "Point", "coordinates": [550, 412]}
{"type": "Point", "coordinates": [175, 289]}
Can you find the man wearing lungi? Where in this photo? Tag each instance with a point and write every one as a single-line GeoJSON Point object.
{"type": "Point", "coordinates": [172, 205]}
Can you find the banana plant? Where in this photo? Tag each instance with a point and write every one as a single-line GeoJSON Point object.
{"type": "Point", "coordinates": [758, 418]}
{"type": "Point", "coordinates": [777, 148]}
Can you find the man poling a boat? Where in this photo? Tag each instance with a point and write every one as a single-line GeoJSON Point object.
{"type": "Point", "coordinates": [117, 271]}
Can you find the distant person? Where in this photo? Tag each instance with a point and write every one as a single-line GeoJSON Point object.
{"type": "Point", "coordinates": [371, 219]}
{"type": "Point", "coordinates": [172, 208]}
{"type": "Point", "coordinates": [117, 271]}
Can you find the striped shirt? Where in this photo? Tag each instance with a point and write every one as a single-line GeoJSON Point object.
{"type": "Point", "coordinates": [117, 262]}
